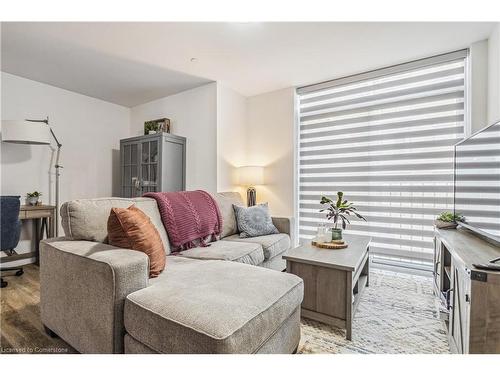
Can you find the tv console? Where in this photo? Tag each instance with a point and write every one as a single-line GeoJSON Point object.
{"type": "Point", "coordinates": [470, 297]}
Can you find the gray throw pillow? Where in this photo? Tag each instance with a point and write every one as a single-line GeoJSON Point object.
{"type": "Point", "coordinates": [254, 221]}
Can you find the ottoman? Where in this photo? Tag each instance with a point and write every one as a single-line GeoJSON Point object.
{"type": "Point", "coordinates": [215, 307]}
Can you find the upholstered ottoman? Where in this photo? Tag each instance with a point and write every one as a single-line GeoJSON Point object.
{"type": "Point", "coordinates": [215, 307]}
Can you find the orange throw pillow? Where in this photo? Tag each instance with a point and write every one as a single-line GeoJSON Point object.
{"type": "Point", "coordinates": [130, 228]}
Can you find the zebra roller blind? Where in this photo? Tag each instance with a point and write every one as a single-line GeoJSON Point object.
{"type": "Point", "coordinates": [385, 138]}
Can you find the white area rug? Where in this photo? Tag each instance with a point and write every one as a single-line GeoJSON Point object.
{"type": "Point", "coordinates": [397, 314]}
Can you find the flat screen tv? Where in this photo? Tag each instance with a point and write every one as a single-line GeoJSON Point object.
{"type": "Point", "coordinates": [477, 182]}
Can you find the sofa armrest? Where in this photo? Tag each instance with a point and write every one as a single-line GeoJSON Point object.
{"type": "Point", "coordinates": [285, 225]}
{"type": "Point", "coordinates": [83, 286]}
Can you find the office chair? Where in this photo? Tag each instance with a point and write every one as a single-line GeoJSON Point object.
{"type": "Point", "coordinates": [10, 230]}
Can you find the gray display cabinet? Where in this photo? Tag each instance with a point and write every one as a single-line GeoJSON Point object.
{"type": "Point", "coordinates": [154, 162]}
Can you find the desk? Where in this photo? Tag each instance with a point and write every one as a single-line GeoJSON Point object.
{"type": "Point", "coordinates": [43, 217]}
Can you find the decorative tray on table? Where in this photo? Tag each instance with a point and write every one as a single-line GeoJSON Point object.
{"type": "Point", "coordinates": [336, 244]}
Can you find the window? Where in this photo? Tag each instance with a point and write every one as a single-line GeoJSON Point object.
{"type": "Point", "coordinates": [385, 138]}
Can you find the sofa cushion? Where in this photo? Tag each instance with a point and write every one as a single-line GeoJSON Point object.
{"type": "Point", "coordinates": [225, 201]}
{"type": "Point", "coordinates": [174, 261]}
{"type": "Point", "coordinates": [130, 228]}
{"type": "Point", "coordinates": [86, 219]}
{"type": "Point", "coordinates": [272, 244]}
{"type": "Point", "coordinates": [254, 221]}
{"type": "Point", "coordinates": [249, 253]}
{"type": "Point", "coordinates": [212, 307]}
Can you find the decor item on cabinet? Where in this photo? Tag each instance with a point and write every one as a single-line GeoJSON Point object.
{"type": "Point", "coordinates": [152, 163]}
{"type": "Point", "coordinates": [33, 132]}
{"type": "Point", "coordinates": [33, 197]}
{"type": "Point", "coordinates": [165, 125]}
{"type": "Point", "coordinates": [338, 211]}
{"type": "Point", "coordinates": [250, 176]}
{"type": "Point", "coordinates": [150, 127]}
{"type": "Point", "coordinates": [448, 220]}
{"type": "Point", "coordinates": [157, 126]}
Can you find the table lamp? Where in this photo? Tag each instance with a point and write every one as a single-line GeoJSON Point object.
{"type": "Point", "coordinates": [34, 132]}
{"type": "Point", "coordinates": [249, 176]}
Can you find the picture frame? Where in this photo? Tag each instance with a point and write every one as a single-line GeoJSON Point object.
{"type": "Point", "coordinates": [157, 126]}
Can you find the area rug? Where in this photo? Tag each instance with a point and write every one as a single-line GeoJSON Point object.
{"type": "Point", "coordinates": [397, 314]}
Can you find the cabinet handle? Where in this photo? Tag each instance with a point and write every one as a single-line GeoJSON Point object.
{"type": "Point", "coordinates": [467, 298]}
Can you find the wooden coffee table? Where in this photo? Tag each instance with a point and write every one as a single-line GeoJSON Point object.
{"type": "Point", "coordinates": [333, 280]}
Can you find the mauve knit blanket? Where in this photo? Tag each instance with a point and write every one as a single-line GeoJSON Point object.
{"type": "Point", "coordinates": [191, 218]}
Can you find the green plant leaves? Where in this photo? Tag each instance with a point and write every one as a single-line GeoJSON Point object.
{"type": "Point", "coordinates": [450, 217]}
{"type": "Point", "coordinates": [339, 210]}
{"type": "Point", "coordinates": [34, 194]}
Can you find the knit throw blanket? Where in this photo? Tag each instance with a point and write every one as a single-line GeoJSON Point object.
{"type": "Point", "coordinates": [191, 218]}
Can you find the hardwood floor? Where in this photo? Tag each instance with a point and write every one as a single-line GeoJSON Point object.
{"type": "Point", "coordinates": [20, 325]}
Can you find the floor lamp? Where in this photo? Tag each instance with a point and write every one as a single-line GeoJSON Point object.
{"type": "Point", "coordinates": [34, 132]}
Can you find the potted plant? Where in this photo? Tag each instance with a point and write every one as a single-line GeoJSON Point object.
{"type": "Point", "coordinates": [338, 211]}
{"type": "Point", "coordinates": [448, 220]}
{"type": "Point", "coordinates": [33, 197]}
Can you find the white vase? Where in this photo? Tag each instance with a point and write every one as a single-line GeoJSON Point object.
{"type": "Point", "coordinates": [33, 201]}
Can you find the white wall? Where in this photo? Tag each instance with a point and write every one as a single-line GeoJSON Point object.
{"type": "Point", "coordinates": [231, 137]}
{"type": "Point", "coordinates": [193, 115]}
{"type": "Point", "coordinates": [89, 130]}
{"type": "Point", "coordinates": [271, 143]}
{"type": "Point", "coordinates": [494, 75]}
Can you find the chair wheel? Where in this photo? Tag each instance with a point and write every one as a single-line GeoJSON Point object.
{"type": "Point", "coordinates": [19, 273]}
{"type": "Point", "coordinates": [3, 284]}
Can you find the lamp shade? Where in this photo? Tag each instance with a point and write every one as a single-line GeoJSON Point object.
{"type": "Point", "coordinates": [25, 132]}
{"type": "Point", "coordinates": [251, 175]}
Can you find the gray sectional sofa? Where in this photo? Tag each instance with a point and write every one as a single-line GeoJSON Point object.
{"type": "Point", "coordinates": [226, 298]}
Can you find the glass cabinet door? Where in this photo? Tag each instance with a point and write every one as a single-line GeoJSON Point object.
{"type": "Point", "coordinates": [130, 171]}
{"type": "Point", "coordinates": [149, 165]}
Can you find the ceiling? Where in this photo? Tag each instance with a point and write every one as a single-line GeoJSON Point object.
{"type": "Point", "coordinates": [133, 63]}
